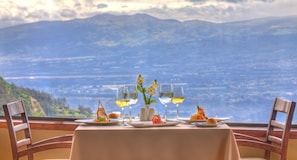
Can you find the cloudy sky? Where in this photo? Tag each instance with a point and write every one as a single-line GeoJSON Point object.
{"type": "Point", "coordinates": [14, 12]}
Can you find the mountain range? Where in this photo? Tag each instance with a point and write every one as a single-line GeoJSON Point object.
{"type": "Point", "coordinates": [101, 33]}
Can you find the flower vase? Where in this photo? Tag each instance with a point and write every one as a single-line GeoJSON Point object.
{"type": "Point", "coordinates": [147, 113]}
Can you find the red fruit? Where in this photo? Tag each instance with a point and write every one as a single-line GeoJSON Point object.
{"type": "Point", "coordinates": [157, 119]}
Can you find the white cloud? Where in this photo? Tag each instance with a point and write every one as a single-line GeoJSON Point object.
{"type": "Point", "coordinates": [68, 13]}
{"type": "Point", "coordinates": [19, 11]}
{"type": "Point", "coordinates": [106, 43]}
{"type": "Point", "coordinates": [102, 5]}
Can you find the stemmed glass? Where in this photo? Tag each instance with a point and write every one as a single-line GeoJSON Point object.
{"type": "Point", "coordinates": [165, 95]}
{"type": "Point", "coordinates": [178, 96]}
{"type": "Point", "coordinates": [133, 97]}
{"type": "Point", "coordinates": [122, 99]}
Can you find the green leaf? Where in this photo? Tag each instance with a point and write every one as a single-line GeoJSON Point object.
{"type": "Point", "coordinates": [146, 99]}
{"type": "Point", "coordinates": [139, 88]}
{"type": "Point", "coordinates": [153, 101]}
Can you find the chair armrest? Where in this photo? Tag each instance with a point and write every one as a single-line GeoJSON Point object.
{"type": "Point", "coordinates": [45, 147]}
{"type": "Point", "coordinates": [240, 136]}
{"type": "Point", "coordinates": [64, 138]}
{"type": "Point", "coordinates": [259, 145]}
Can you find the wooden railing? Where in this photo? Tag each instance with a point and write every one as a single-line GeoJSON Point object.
{"type": "Point", "coordinates": [254, 129]}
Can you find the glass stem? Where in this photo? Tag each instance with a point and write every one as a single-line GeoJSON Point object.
{"type": "Point", "coordinates": [130, 112]}
{"type": "Point", "coordinates": [123, 115]}
{"type": "Point", "coordinates": [165, 112]}
{"type": "Point", "coordinates": [176, 111]}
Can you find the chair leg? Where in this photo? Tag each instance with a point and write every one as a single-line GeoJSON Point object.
{"type": "Point", "coordinates": [30, 156]}
{"type": "Point", "coordinates": [267, 155]}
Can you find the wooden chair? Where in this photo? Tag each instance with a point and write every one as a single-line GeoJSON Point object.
{"type": "Point", "coordinates": [20, 134]}
{"type": "Point", "coordinates": [277, 143]}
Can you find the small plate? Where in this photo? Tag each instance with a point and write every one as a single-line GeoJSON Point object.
{"type": "Point", "coordinates": [204, 124]}
{"type": "Point", "coordinates": [148, 124]}
{"type": "Point", "coordinates": [187, 120]}
{"type": "Point", "coordinates": [219, 119]}
{"type": "Point", "coordinates": [93, 122]}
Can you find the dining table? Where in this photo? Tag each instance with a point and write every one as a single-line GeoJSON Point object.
{"type": "Point", "coordinates": [178, 142]}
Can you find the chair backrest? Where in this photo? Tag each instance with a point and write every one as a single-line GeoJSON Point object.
{"type": "Point", "coordinates": [19, 132]}
{"type": "Point", "coordinates": [275, 126]}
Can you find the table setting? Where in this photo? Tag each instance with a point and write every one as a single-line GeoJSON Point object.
{"type": "Point", "coordinates": [144, 140]}
{"type": "Point", "coordinates": [152, 135]}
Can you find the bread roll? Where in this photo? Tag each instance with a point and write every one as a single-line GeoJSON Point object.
{"type": "Point", "coordinates": [113, 115]}
{"type": "Point", "coordinates": [211, 121]}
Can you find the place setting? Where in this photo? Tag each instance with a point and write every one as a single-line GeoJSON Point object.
{"type": "Point", "coordinates": [126, 95]}
{"type": "Point", "coordinates": [101, 119]}
{"type": "Point", "coordinates": [200, 119]}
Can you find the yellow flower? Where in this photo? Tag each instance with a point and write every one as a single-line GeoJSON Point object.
{"type": "Point", "coordinates": [151, 90]}
{"type": "Point", "coordinates": [155, 83]}
{"type": "Point", "coordinates": [140, 80]}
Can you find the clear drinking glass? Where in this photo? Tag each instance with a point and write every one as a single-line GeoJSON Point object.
{"type": "Point", "coordinates": [165, 95]}
{"type": "Point", "coordinates": [122, 99]}
{"type": "Point", "coordinates": [133, 97]}
{"type": "Point", "coordinates": [178, 96]}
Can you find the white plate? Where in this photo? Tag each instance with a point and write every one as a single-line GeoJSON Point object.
{"type": "Point", "coordinates": [203, 124]}
{"type": "Point", "coordinates": [147, 124]}
{"type": "Point", "coordinates": [187, 120]}
{"type": "Point", "coordinates": [219, 119]}
{"type": "Point", "coordinates": [93, 122]}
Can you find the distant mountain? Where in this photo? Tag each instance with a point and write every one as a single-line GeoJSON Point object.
{"type": "Point", "coordinates": [102, 33]}
{"type": "Point", "coordinates": [137, 38]}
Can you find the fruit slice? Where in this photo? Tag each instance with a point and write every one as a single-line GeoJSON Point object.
{"type": "Point", "coordinates": [157, 119]}
{"type": "Point", "coordinates": [101, 114]}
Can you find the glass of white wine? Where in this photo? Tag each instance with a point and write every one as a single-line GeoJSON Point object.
{"type": "Point", "coordinates": [133, 97]}
{"type": "Point", "coordinates": [165, 95]}
{"type": "Point", "coordinates": [122, 99]}
{"type": "Point", "coordinates": [178, 96]}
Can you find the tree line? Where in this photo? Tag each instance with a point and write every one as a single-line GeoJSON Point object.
{"type": "Point", "coordinates": [39, 103]}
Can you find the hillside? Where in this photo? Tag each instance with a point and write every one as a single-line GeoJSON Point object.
{"type": "Point", "coordinates": [38, 103]}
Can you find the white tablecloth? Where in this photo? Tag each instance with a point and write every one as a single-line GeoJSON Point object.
{"type": "Point", "coordinates": [182, 142]}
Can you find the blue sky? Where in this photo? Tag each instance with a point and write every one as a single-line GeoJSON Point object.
{"type": "Point", "coordinates": [14, 12]}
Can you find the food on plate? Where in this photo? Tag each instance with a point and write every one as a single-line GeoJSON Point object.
{"type": "Point", "coordinates": [157, 119]}
{"type": "Point", "coordinates": [101, 115]}
{"type": "Point", "coordinates": [113, 115]}
{"type": "Point", "coordinates": [200, 115]}
{"type": "Point", "coordinates": [211, 121]}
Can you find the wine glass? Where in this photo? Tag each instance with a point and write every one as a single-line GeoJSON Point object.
{"type": "Point", "coordinates": [133, 97]}
{"type": "Point", "coordinates": [165, 95]}
{"type": "Point", "coordinates": [122, 99]}
{"type": "Point", "coordinates": [178, 96]}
